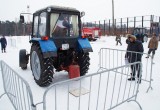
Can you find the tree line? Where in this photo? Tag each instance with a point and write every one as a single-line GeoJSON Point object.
{"type": "Point", "coordinates": [11, 28]}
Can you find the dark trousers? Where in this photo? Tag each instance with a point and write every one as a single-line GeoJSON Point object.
{"type": "Point", "coordinates": [151, 50]}
{"type": "Point", "coordinates": [118, 41]}
{"type": "Point", "coordinates": [135, 68]}
{"type": "Point", "coordinates": [3, 48]}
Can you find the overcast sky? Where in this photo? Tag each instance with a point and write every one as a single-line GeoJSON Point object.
{"type": "Point", "coordinates": [94, 9]}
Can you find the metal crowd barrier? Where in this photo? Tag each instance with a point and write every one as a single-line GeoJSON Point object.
{"type": "Point", "coordinates": [103, 90]}
{"type": "Point", "coordinates": [16, 88]}
{"type": "Point", "coordinates": [111, 58]}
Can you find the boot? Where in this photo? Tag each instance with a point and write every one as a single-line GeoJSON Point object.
{"type": "Point", "coordinates": [131, 79]}
{"type": "Point", "coordinates": [147, 56]}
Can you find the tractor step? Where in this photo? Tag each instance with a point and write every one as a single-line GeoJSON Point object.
{"type": "Point", "coordinates": [74, 71]}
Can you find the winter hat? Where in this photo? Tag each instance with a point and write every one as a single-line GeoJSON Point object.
{"type": "Point", "coordinates": [132, 36]}
{"type": "Point", "coordinates": [128, 35]}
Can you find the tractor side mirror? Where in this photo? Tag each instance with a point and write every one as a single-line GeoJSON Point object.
{"type": "Point", "coordinates": [82, 13]}
{"type": "Point", "coordinates": [21, 18]}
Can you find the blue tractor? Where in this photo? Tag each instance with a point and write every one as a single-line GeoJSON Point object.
{"type": "Point", "coordinates": [56, 43]}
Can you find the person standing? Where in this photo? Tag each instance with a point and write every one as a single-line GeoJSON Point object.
{"type": "Point", "coordinates": [152, 45]}
{"type": "Point", "coordinates": [134, 46]}
{"type": "Point", "coordinates": [3, 44]}
{"type": "Point", "coordinates": [118, 39]}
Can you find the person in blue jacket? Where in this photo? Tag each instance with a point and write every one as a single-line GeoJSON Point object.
{"type": "Point", "coordinates": [3, 44]}
{"type": "Point", "coordinates": [134, 46]}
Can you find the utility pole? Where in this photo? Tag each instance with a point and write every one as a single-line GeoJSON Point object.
{"type": "Point", "coordinates": [28, 24]}
{"type": "Point", "coordinates": [113, 16]}
{"type": "Point", "coordinates": [28, 11]}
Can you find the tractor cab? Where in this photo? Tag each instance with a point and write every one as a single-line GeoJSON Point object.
{"type": "Point", "coordinates": [56, 22]}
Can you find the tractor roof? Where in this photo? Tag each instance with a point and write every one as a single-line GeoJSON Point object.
{"type": "Point", "coordinates": [57, 8]}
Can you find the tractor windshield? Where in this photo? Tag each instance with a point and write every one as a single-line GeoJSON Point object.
{"type": "Point", "coordinates": [64, 25]}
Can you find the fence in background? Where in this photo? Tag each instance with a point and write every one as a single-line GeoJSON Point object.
{"type": "Point", "coordinates": [11, 42]}
{"type": "Point", "coordinates": [126, 25]}
{"type": "Point", "coordinates": [111, 58]}
{"type": "Point", "coordinates": [103, 90]}
{"type": "Point", "coordinates": [16, 88]}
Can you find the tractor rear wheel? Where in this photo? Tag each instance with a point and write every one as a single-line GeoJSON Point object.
{"type": "Point", "coordinates": [42, 68]}
{"type": "Point", "coordinates": [83, 62]}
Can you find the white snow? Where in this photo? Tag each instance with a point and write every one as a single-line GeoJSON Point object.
{"type": "Point", "coordinates": [148, 101]}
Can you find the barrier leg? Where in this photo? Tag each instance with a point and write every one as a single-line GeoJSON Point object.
{"type": "Point", "coordinates": [150, 87]}
{"type": "Point", "coordinates": [2, 95]}
{"type": "Point", "coordinates": [6, 93]}
{"type": "Point", "coordinates": [137, 103]}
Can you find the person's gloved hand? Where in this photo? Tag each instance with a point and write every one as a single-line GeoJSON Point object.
{"type": "Point", "coordinates": [155, 48]}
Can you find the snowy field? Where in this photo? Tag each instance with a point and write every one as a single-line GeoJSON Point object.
{"type": "Point", "coordinates": [148, 101]}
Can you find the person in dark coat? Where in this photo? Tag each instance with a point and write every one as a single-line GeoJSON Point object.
{"type": "Point", "coordinates": [134, 46]}
{"type": "Point", "coordinates": [3, 44]}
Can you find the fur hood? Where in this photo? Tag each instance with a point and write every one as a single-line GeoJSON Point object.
{"type": "Point", "coordinates": [131, 36]}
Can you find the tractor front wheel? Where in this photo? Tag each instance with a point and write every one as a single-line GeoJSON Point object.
{"type": "Point", "coordinates": [23, 59]}
{"type": "Point", "coordinates": [42, 68]}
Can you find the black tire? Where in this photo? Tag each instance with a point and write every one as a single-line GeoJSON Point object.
{"type": "Point", "coordinates": [42, 68]}
{"type": "Point", "coordinates": [23, 60]}
{"type": "Point", "coordinates": [83, 62]}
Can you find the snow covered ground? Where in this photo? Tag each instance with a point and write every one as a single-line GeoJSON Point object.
{"type": "Point", "coordinates": [148, 101]}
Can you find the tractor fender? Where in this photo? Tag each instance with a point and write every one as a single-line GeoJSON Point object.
{"type": "Point", "coordinates": [84, 44]}
{"type": "Point", "coordinates": [48, 47]}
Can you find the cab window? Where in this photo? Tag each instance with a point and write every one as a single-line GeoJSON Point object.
{"type": "Point", "coordinates": [35, 27]}
{"type": "Point", "coordinates": [42, 24]}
